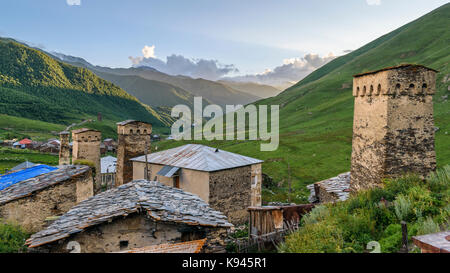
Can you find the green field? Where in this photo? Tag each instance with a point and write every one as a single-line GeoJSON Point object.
{"type": "Point", "coordinates": [12, 157]}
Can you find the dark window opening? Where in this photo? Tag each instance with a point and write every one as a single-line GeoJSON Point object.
{"type": "Point", "coordinates": [123, 244]}
{"type": "Point", "coordinates": [379, 89]}
{"type": "Point", "coordinates": [398, 86]}
{"type": "Point", "coordinates": [411, 85]}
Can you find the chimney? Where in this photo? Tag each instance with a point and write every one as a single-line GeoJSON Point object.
{"type": "Point", "coordinates": [64, 148]}
{"type": "Point", "coordinates": [86, 146]}
{"type": "Point", "coordinates": [133, 140]}
{"type": "Point", "coordinates": [393, 127]}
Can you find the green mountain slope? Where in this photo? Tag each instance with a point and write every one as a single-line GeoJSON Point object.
{"type": "Point", "coordinates": [152, 93]}
{"type": "Point", "coordinates": [316, 114]}
{"type": "Point", "coordinates": [215, 92]}
{"type": "Point", "coordinates": [259, 90]}
{"type": "Point", "coordinates": [35, 86]}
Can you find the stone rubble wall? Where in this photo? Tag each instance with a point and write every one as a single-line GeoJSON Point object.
{"type": "Point", "coordinates": [31, 211]}
{"type": "Point", "coordinates": [136, 231]}
{"type": "Point", "coordinates": [230, 193]}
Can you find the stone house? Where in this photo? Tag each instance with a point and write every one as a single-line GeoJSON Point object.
{"type": "Point", "coordinates": [31, 201]}
{"type": "Point", "coordinates": [228, 182]}
{"type": "Point", "coordinates": [135, 215]}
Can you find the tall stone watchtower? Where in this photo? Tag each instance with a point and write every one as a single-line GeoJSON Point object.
{"type": "Point", "coordinates": [86, 145]}
{"type": "Point", "coordinates": [393, 127]}
{"type": "Point", "coordinates": [133, 138]}
{"type": "Point", "coordinates": [64, 148]}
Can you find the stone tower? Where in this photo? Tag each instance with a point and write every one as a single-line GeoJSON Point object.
{"type": "Point", "coordinates": [64, 148]}
{"type": "Point", "coordinates": [393, 127]}
{"type": "Point", "coordinates": [86, 145]}
{"type": "Point", "coordinates": [132, 138]}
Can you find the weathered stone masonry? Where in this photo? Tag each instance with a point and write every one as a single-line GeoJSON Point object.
{"type": "Point", "coordinates": [133, 137]}
{"type": "Point", "coordinates": [229, 191]}
{"type": "Point", "coordinates": [51, 194]}
{"type": "Point", "coordinates": [64, 150]}
{"type": "Point", "coordinates": [393, 129]}
{"type": "Point", "coordinates": [86, 146]}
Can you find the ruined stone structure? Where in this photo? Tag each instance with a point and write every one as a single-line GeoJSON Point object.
{"type": "Point", "coordinates": [133, 138]}
{"type": "Point", "coordinates": [228, 182]}
{"type": "Point", "coordinates": [64, 148]}
{"type": "Point", "coordinates": [393, 129]}
{"type": "Point", "coordinates": [86, 146]}
{"type": "Point", "coordinates": [135, 215]}
{"type": "Point", "coordinates": [30, 202]}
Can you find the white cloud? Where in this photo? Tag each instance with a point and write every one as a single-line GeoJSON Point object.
{"type": "Point", "coordinates": [149, 51]}
{"type": "Point", "coordinates": [73, 2]}
{"type": "Point", "coordinates": [291, 71]}
{"type": "Point", "coordinates": [180, 65]}
{"type": "Point", "coordinates": [373, 2]}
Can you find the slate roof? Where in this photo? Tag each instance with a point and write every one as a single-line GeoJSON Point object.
{"type": "Point", "coordinates": [401, 66]}
{"type": "Point", "coordinates": [436, 242]}
{"type": "Point", "coordinates": [108, 164]}
{"type": "Point", "coordinates": [82, 130]}
{"type": "Point", "coordinates": [125, 122]}
{"type": "Point", "coordinates": [27, 187]}
{"type": "Point", "coordinates": [199, 157]}
{"type": "Point", "coordinates": [185, 247]}
{"type": "Point", "coordinates": [160, 202]}
{"type": "Point", "coordinates": [338, 186]}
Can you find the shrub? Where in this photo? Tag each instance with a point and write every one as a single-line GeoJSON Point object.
{"type": "Point", "coordinates": [428, 226]}
{"type": "Point", "coordinates": [320, 237]}
{"type": "Point", "coordinates": [402, 207]}
{"type": "Point", "coordinates": [12, 238]}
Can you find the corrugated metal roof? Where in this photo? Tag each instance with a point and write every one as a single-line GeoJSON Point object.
{"type": "Point", "coordinates": [199, 157]}
{"type": "Point", "coordinates": [21, 166]}
{"type": "Point", "coordinates": [10, 179]}
{"type": "Point", "coordinates": [108, 164]}
{"type": "Point", "coordinates": [168, 171]}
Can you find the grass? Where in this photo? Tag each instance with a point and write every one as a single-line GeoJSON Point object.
{"type": "Point", "coordinates": [12, 157]}
{"type": "Point", "coordinates": [351, 225]}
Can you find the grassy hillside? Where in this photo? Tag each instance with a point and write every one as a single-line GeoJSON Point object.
{"type": "Point", "coordinates": [150, 92]}
{"type": "Point", "coordinates": [36, 86]}
{"type": "Point", "coordinates": [316, 115]}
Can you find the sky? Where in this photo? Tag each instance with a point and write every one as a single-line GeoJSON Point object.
{"type": "Point", "coordinates": [207, 38]}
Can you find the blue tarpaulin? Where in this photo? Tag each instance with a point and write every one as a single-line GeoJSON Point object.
{"type": "Point", "coordinates": [13, 178]}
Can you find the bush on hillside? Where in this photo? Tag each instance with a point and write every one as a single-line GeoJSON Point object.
{"type": "Point", "coordinates": [375, 215]}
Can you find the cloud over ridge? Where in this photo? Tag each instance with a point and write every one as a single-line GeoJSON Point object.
{"type": "Point", "coordinates": [180, 65]}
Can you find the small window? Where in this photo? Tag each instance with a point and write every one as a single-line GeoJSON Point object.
{"type": "Point", "coordinates": [411, 86]}
{"type": "Point", "coordinates": [424, 88]}
{"type": "Point", "coordinates": [379, 89]}
{"type": "Point", "coordinates": [138, 131]}
{"type": "Point", "coordinates": [123, 244]}
{"type": "Point", "coordinates": [398, 86]}
{"type": "Point", "coordinates": [131, 131]}
{"type": "Point", "coordinates": [145, 131]}
{"type": "Point", "coordinates": [364, 91]}
{"type": "Point", "coordinates": [371, 90]}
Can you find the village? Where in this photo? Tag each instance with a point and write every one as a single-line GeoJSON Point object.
{"type": "Point", "coordinates": [189, 199]}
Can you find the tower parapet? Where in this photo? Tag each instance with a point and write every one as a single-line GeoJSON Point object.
{"type": "Point", "coordinates": [393, 127]}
